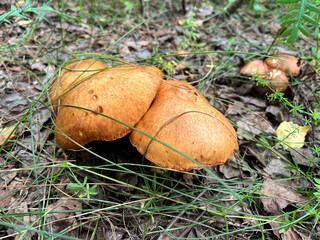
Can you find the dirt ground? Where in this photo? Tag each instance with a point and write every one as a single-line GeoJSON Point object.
{"type": "Point", "coordinates": [269, 194]}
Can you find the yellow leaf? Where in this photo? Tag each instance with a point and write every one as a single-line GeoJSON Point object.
{"type": "Point", "coordinates": [292, 134]}
{"type": "Point", "coordinates": [20, 3]}
{"type": "Point", "coordinates": [102, 19]}
{"type": "Point", "coordinates": [24, 23]}
{"type": "Point", "coordinates": [5, 133]}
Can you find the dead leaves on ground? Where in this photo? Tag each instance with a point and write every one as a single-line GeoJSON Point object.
{"type": "Point", "coordinates": [276, 197]}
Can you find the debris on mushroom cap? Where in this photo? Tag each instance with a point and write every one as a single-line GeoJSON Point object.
{"type": "Point", "coordinates": [284, 62]}
{"type": "Point", "coordinates": [72, 75]}
{"type": "Point", "coordinates": [124, 93]}
{"type": "Point", "coordinates": [182, 118]}
{"type": "Point", "coordinates": [278, 80]}
{"type": "Point", "coordinates": [255, 67]}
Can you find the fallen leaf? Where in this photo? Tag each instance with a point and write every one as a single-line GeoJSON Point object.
{"type": "Point", "coordinates": [276, 197]}
{"type": "Point", "coordinates": [303, 156]}
{"type": "Point", "coordinates": [290, 234]}
{"type": "Point", "coordinates": [6, 133]}
{"type": "Point", "coordinates": [253, 124]}
{"type": "Point", "coordinates": [102, 20]}
{"type": "Point", "coordinates": [230, 170]}
{"type": "Point", "coordinates": [20, 3]}
{"type": "Point", "coordinates": [39, 66]}
{"type": "Point", "coordinates": [163, 32]}
{"type": "Point", "coordinates": [25, 23]}
{"type": "Point", "coordinates": [180, 67]}
{"type": "Point", "coordinates": [274, 111]}
{"type": "Point", "coordinates": [277, 169]}
{"type": "Point", "coordinates": [65, 211]}
{"type": "Point", "coordinates": [5, 199]}
{"type": "Point", "coordinates": [292, 135]}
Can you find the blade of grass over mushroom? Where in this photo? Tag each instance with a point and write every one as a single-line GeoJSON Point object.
{"type": "Point", "coordinates": [177, 116]}
{"type": "Point", "coordinates": [208, 140]}
{"type": "Point", "coordinates": [72, 75]}
{"type": "Point", "coordinates": [157, 140]}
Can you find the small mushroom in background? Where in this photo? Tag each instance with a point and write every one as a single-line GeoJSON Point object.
{"type": "Point", "coordinates": [72, 75]}
{"type": "Point", "coordinates": [279, 81]}
{"type": "Point", "coordinates": [284, 62]}
{"type": "Point", "coordinates": [182, 118]}
{"type": "Point", "coordinates": [124, 93]}
{"type": "Point", "coordinates": [273, 69]}
{"type": "Point", "coordinates": [253, 67]}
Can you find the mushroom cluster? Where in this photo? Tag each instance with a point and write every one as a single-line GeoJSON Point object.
{"type": "Point", "coordinates": [92, 102]}
{"type": "Point", "coordinates": [276, 69]}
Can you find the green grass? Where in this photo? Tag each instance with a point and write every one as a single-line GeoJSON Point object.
{"type": "Point", "coordinates": [125, 191]}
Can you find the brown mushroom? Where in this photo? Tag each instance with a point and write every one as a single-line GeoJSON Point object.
{"type": "Point", "coordinates": [278, 79]}
{"type": "Point", "coordinates": [72, 75]}
{"type": "Point", "coordinates": [255, 67]}
{"type": "Point", "coordinates": [182, 118]}
{"type": "Point", "coordinates": [123, 93]}
{"type": "Point", "coordinates": [284, 62]}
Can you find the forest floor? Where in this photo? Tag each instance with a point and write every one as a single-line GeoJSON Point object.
{"type": "Point", "coordinates": [106, 191]}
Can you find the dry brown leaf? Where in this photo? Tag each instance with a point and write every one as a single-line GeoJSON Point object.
{"type": "Point", "coordinates": [303, 156]}
{"type": "Point", "coordinates": [255, 124]}
{"type": "Point", "coordinates": [230, 170]}
{"type": "Point", "coordinates": [61, 217]}
{"type": "Point", "coordinates": [39, 67]}
{"type": "Point", "coordinates": [163, 32]}
{"type": "Point", "coordinates": [236, 108]}
{"type": "Point", "coordinates": [7, 133]}
{"type": "Point", "coordinates": [290, 234]}
{"type": "Point", "coordinates": [277, 169]}
{"type": "Point", "coordinates": [180, 67]}
{"type": "Point", "coordinates": [276, 197]}
{"type": "Point", "coordinates": [4, 200]}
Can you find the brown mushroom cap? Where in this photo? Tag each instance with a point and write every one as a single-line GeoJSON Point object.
{"type": "Point", "coordinates": [182, 118]}
{"type": "Point", "coordinates": [255, 67]}
{"type": "Point", "coordinates": [124, 93]}
{"type": "Point", "coordinates": [279, 80]}
{"type": "Point", "coordinates": [284, 62]}
{"type": "Point", "coordinates": [71, 76]}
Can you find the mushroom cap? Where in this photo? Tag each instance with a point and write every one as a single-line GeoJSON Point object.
{"type": "Point", "coordinates": [182, 118]}
{"type": "Point", "coordinates": [72, 75]}
{"type": "Point", "coordinates": [284, 62]}
{"type": "Point", "coordinates": [124, 93]}
{"type": "Point", "coordinates": [255, 67]}
{"type": "Point", "coordinates": [279, 81]}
